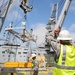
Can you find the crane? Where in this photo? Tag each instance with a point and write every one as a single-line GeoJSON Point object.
{"type": "Point", "coordinates": [25, 36]}
{"type": "Point", "coordinates": [58, 23]}
{"type": "Point", "coordinates": [3, 12]}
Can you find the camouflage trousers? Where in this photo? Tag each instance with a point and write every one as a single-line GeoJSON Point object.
{"type": "Point", "coordinates": [34, 72]}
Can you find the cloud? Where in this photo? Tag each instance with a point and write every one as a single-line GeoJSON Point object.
{"type": "Point", "coordinates": [40, 31]}
{"type": "Point", "coordinates": [73, 36]}
{"type": "Point", "coordinates": [72, 31]}
{"type": "Point", "coordinates": [72, 28]}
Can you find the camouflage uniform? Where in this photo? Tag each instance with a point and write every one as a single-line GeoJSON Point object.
{"type": "Point", "coordinates": [54, 44]}
{"type": "Point", "coordinates": [35, 67]}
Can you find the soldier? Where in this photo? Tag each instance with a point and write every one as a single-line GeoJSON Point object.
{"type": "Point", "coordinates": [64, 52]}
{"type": "Point", "coordinates": [35, 65]}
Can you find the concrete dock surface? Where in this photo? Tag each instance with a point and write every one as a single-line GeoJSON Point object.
{"type": "Point", "coordinates": [47, 71]}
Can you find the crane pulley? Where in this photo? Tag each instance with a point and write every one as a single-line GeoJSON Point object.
{"type": "Point", "coordinates": [25, 7]}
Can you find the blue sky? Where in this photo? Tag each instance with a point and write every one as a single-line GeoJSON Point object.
{"type": "Point", "coordinates": [39, 16]}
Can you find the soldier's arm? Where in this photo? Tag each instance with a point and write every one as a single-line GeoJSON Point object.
{"type": "Point", "coordinates": [54, 43]}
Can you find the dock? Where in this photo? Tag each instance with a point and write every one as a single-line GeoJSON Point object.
{"type": "Point", "coordinates": [25, 71]}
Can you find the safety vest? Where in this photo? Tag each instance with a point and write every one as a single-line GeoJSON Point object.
{"type": "Point", "coordinates": [66, 61]}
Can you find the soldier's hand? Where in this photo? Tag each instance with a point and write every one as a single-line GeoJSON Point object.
{"type": "Point", "coordinates": [57, 31]}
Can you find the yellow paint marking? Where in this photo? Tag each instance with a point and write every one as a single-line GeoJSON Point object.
{"type": "Point", "coordinates": [45, 72]}
{"type": "Point", "coordinates": [22, 72]}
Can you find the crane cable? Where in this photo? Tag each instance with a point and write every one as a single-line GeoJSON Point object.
{"type": "Point", "coordinates": [60, 6]}
{"type": "Point", "coordinates": [16, 21]}
{"type": "Point", "coordinates": [26, 19]}
{"type": "Point", "coordinates": [17, 15]}
{"type": "Point", "coordinates": [61, 3]}
{"type": "Point", "coordinates": [19, 21]}
{"type": "Point", "coordinates": [27, 23]}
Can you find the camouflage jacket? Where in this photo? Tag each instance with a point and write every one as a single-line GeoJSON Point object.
{"type": "Point", "coordinates": [35, 64]}
{"type": "Point", "coordinates": [54, 43]}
